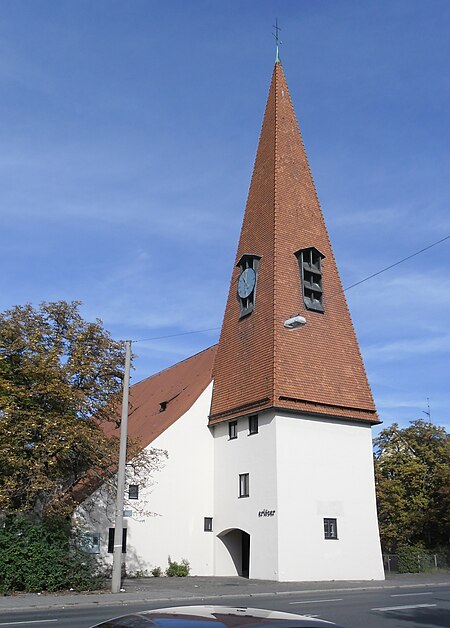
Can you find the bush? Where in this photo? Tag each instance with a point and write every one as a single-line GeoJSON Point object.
{"type": "Point", "coordinates": [178, 569]}
{"type": "Point", "coordinates": [413, 559]}
{"type": "Point", "coordinates": [37, 556]}
{"type": "Point", "coordinates": [156, 572]}
{"type": "Point", "coordinates": [139, 573]}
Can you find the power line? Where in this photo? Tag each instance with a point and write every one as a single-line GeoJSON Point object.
{"type": "Point", "coordinates": [379, 272]}
{"type": "Point", "coordinates": [183, 333]}
{"type": "Point", "coordinates": [383, 270]}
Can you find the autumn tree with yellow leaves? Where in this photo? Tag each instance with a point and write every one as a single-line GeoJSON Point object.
{"type": "Point", "coordinates": [60, 379]}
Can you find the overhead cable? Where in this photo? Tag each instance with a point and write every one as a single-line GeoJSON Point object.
{"type": "Point", "coordinates": [379, 272]}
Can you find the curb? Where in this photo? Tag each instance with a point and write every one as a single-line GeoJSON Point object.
{"type": "Point", "coordinates": [135, 598]}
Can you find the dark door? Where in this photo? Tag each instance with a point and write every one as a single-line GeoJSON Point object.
{"type": "Point", "coordinates": [245, 554]}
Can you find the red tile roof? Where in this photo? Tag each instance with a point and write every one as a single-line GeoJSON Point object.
{"type": "Point", "coordinates": [259, 364]}
{"type": "Point", "coordinates": [160, 400]}
{"type": "Point", "coordinates": [155, 404]}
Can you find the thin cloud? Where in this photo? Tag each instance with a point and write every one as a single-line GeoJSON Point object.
{"type": "Point", "coordinates": [407, 348]}
{"type": "Point", "coordinates": [367, 218]}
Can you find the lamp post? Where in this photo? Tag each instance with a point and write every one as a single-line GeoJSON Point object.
{"type": "Point", "coordinates": [118, 526]}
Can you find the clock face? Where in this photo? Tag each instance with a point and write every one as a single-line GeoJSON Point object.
{"type": "Point", "coordinates": [246, 283]}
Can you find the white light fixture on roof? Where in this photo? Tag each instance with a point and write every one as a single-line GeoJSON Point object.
{"type": "Point", "coordinates": [294, 322]}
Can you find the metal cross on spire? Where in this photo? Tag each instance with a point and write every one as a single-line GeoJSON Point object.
{"type": "Point", "coordinates": [278, 40]}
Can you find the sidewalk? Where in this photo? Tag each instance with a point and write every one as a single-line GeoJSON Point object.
{"type": "Point", "coordinates": [183, 590]}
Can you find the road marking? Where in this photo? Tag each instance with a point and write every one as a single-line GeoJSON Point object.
{"type": "Point", "coordinates": [337, 599]}
{"type": "Point", "coordinates": [405, 594]}
{"type": "Point", "coordinates": [35, 621]}
{"type": "Point", "coordinates": [402, 608]}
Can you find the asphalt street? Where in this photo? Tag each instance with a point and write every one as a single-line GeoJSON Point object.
{"type": "Point", "coordinates": [399, 602]}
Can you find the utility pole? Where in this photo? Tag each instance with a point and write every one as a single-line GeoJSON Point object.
{"type": "Point", "coordinates": [118, 527]}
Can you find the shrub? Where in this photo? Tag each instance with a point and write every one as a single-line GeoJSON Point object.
{"type": "Point", "coordinates": [37, 556]}
{"type": "Point", "coordinates": [178, 569]}
{"type": "Point", "coordinates": [413, 559]}
{"type": "Point", "coordinates": [139, 573]}
{"type": "Point", "coordinates": [156, 572]}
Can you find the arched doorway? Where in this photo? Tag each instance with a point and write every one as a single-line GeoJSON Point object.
{"type": "Point", "coordinates": [237, 542]}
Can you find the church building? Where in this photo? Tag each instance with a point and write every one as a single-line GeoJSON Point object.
{"type": "Point", "coordinates": [269, 471]}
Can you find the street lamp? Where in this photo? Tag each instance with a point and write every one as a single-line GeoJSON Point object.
{"type": "Point", "coordinates": [295, 322]}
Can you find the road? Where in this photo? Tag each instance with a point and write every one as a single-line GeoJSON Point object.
{"type": "Point", "coordinates": [403, 607]}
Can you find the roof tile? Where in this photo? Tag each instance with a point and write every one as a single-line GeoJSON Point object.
{"type": "Point", "coordinates": [259, 364]}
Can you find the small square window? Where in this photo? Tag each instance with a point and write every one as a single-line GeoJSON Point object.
{"type": "Point", "coordinates": [253, 424]}
{"type": "Point", "coordinates": [244, 485]}
{"type": "Point", "coordinates": [232, 430]}
{"type": "Point", "coordinates": [133, 491]}
{"type": "Point", "coordinates": [111, 540]}
{"type": "Point", "coordinates": [330, 528]}
{"type": "Point", "coordinates": [207, 526]}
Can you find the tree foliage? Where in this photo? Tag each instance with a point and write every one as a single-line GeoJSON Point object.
{"type": "Point", "coordinates": [57, 371]}
{"type": "Point", "coordinates": [44, 557]}
{"type": "Point", "coordinates": [412, 473]}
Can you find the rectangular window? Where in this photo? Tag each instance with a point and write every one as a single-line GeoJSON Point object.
{"type": "Point", "coordinates": [244, 485]}
{"type": "Point", "coordinates": [253, 424]}
{"type": "Point", "coordinates": [96, 543]}
{"type": "Point", "coordinates": [207, 526]}
{"type": "Point", "coordinates": [330, 528]}
{"type": "Point", "coordinates": [91, 543]}
{"type": "Point", "coordinates": [310, 263]}
{"type": "Point", "coordinates": [133, 491]}
{"type": "Point", "coordinates": [111, 541]}
{"type": "Point", "coordinates": [232, 430]}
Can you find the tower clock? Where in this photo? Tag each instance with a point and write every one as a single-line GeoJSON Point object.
{"type": "Point", "coordinates": [246, 285]}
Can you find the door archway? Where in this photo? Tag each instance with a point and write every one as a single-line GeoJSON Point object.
{"type": "Point", "coordinates": [237, 542]}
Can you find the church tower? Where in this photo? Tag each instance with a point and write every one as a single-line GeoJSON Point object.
{"type": "Point", "coordinates": [295, 500]}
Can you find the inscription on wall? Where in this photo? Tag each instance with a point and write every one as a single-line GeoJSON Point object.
{"type": "Point", "coordinates": [266, 513]}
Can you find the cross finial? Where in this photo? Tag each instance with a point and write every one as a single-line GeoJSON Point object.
{"type": "Point", "coordinates": [276, 34]}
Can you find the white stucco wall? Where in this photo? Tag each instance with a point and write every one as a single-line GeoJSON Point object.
{"type": "Point", "coordinates": [304, 469]}
{"type": "Point", "coordinates": [182, 495]}
{"type": "Point", "coordinates": [325, 470]}
{"type": "Point", "coordinates": [301, 470]}
{"type": "Point", "coordinates": [255, 455]}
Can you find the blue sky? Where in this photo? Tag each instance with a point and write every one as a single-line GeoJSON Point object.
{"type": "Point", "coordinates": [128, 134]}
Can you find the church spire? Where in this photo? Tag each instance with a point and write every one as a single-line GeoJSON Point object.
{"type": "Point", "coordinates": [285, 267]}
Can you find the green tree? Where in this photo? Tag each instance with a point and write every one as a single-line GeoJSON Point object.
{"type": "Point", "coordinates": [412, 473]}
{"type": "Point", "coordinates": [57, 371]}
{"type": "Point", "coordinates": [38, 556]}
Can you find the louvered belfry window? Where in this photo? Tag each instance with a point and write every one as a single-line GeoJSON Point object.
{"type": "Point", "coordinates": [310, 263]}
